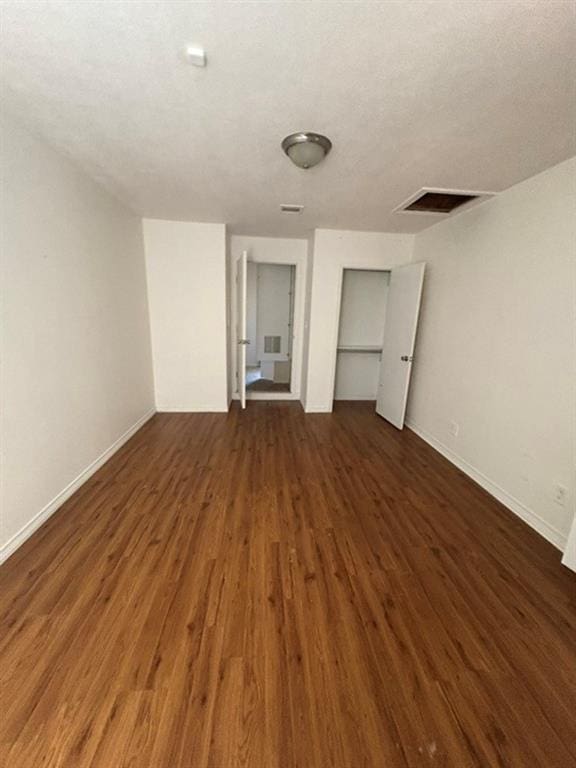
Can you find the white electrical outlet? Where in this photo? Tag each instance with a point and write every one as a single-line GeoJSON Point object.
{"type": "Point", "coordinates": [560, 492]}
{"type": "Point", "coordinates": [453, 428]}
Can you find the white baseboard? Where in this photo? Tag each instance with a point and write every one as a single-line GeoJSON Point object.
{"type": "Point", "coordinates": [187, 409]}
{"type": "Point", "coordinates": [27, 530]}
{"type": "Point", "coordinates": [367, 398]}
{"type": "Point", "coordinates": [551, 534]}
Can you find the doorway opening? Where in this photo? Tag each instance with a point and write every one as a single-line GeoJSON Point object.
{"type": "Point", "coordinates": [269, 326]}
{"type": "Point", "coordinates": [360, 334]}
{"type": "Point", "coordinates": [376, 335]}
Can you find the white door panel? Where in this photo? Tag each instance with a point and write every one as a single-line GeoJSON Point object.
{"type": "Point", "coordinates": [241, 325]}
{"type": "Point", "coordinates": [402, 309]}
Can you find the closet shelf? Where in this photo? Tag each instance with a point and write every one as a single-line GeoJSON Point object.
{"type": "Point", "coordinates": [358, 348]}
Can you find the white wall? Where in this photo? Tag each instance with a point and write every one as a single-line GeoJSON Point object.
{"type": "Point", "coordinates": [335, 250]}
{"type": "Point", "coordinates": [75, 346]}
{"type": "Point", "coordinates": [187, 286]}
{"type": "Point", "coordinates": [357, 376]}
{"type": "Point", "coordinates": [362, 317]}
{"type": "Point", "coordinates": [275, 250]}
{"type": "Point", "coordinates": [363, 307]}
{"type": "Point", "coordinates": [496, 345]}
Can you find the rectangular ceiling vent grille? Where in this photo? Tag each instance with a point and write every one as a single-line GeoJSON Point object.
{"type": "Point", "coordinates": [285, 208]}
{"type": "Point", "coordinates": [440, 201]}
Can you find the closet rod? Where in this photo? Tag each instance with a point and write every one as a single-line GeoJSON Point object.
{"type": "Point", "coordinates": [358, 348]}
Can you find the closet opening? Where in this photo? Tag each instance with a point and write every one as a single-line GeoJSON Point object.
{"type": "Point", "coordinates": [270, 292]}
{"type": "Point", "coordinates": [360, 334]}
{"type": "Point", "coordinates": [376, 335]}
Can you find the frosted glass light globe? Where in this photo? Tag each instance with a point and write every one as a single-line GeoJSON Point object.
{"type": "Point", "coordinates": [306, 149]}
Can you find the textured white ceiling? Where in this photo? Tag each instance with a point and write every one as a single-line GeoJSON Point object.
{"type": "Point", "coordinates": [471, 95]}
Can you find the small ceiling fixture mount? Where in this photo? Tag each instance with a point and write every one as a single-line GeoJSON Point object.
{"type": "Point", "coordinates": [196, 56]}
{"type": "Point", "coordinates": [306, 149]}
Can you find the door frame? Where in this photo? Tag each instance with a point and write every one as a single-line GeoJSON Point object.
{"type": "Point", "coordinates": [299, 264]}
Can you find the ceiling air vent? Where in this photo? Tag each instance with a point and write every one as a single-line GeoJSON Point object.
{"type": "Point", "coordinates": [440, 201]}
{"type": "Point", "coordinates": [285, 208]}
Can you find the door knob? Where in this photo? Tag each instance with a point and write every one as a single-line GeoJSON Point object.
{"type": "Point", "coordinates": [407, 358]}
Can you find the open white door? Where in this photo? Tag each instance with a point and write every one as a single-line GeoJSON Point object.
{"type": "Point", "coordinates": [402, 308]}
{"type": "Point", "coordinates": [241, 326]}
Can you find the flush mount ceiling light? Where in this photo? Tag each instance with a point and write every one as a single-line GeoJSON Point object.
{"type": "Point", "coordinates": [306, 149]}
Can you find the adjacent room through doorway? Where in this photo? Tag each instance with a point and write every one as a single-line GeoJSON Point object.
{"type": "Point", "coordinates": [269, 322]}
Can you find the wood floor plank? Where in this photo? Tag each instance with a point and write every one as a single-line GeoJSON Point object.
{"type": "Point", "coordinates": [268, 589]}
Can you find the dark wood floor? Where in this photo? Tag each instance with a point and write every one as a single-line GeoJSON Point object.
{"type": "Point", "coordinates": [269, 590]}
